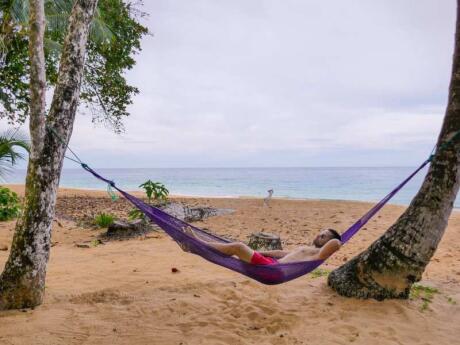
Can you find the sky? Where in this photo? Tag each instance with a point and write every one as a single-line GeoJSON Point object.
{"type": "Point", "coordinates": [267, 83]}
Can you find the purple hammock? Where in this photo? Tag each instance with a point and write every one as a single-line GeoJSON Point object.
{"type": "Point", "coordinates": [271, 274]}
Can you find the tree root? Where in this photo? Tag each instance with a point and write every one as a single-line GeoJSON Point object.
{"type": "Point", "coordinates": [346, 282]}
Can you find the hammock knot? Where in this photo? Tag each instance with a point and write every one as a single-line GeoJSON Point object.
{"type": "Point", "coordinates": [112, 194]}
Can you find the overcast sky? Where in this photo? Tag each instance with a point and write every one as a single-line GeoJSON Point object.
{"type": "Point", "coordinates": [283, 83]}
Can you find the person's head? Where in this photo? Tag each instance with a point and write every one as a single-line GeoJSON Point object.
{"type": "Point", "coordinates": [325, 236]}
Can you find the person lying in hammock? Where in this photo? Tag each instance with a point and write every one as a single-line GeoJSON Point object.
{"type": "Point", "coordinates": [324, 245]}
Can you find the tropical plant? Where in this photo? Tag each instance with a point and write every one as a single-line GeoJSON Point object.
{"type": "Point", "coordinates": [9, 204]}
{"type": "Point", "coordinates": [155, 191]}
{"type": "Point", "coordinates": [9, 143]}
{"type": "Point", "coordinates": [103, 220]}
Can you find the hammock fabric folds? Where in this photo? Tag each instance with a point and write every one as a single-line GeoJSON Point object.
{"type": "Point", "coordinates": [271, 274]}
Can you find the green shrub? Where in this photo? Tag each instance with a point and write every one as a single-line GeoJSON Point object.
{"type": "Point", "coordinates": [103, 220]}
{"type": "Point", "coordinates": [155, 191]}
{"type": "Point", "coordinates": [10, 206]}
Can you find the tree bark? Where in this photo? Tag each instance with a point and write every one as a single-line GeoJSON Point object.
{"type": "Point", "coordinates": [22, 283]}
{"type": "Point", "coordinates": [389, 267]}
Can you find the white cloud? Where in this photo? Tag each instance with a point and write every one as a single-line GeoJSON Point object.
{"type": "Point", "coordinates": [389, 131]}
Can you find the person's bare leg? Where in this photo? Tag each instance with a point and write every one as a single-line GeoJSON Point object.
{"type": "Point", "coordinates": [242, 251]}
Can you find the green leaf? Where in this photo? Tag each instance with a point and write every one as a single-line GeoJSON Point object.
{"type": "Point", "coordinates": [10, 141]}
{"type": "Point", "coordinates": [157, 190]}
{"type": "Point", "coordinates": [115, 37]}
{"type": "Point", "coordinates": [9, 204]}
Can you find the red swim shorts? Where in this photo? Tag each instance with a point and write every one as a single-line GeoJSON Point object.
{"type": "Point", "coordinates": [259, 259]}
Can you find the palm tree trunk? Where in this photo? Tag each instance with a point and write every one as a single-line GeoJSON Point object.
{"type": "Point", "coordinates": [389, 267]}
{"type": "Point", "coordinates": [22, 283]}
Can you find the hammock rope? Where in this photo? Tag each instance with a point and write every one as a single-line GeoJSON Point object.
{"type": "Point", "coordinates": [77, 160]}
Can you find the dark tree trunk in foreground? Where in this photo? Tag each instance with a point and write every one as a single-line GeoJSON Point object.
{"type": "Point", "coordinates": [389, 267]}
{"type": "Point", "coordinates": [22, 283]}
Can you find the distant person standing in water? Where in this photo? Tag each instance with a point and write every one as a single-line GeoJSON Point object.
{"type": "Point", "coordinates": [268, 198]}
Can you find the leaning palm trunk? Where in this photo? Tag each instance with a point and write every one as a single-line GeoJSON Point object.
{"type": "Point", "coordinates": [22, 282]}
{"type": "Point", "coordinates": [389, 267]}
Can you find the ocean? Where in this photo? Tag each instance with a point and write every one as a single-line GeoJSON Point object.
{"type": "Point", "coordinates": [363, 184]}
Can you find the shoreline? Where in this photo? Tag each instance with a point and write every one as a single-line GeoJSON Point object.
{"type": "Point", "coordinates": [16, 186]}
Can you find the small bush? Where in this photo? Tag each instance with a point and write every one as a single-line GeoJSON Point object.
{"type": "Point", "coordinates": [10, 206]}
{"type": "Point", "coordinates": [103, 220]}
{"type": "Point", "coordinates": [155, 191]}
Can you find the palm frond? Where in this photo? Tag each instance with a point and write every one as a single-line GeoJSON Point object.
{"type": "Point", "coordinates": [3, 49]}
{"type": "Point", "coordinates": [19, 11]}
{"type": "Point", "coordinates": [5, 170]}
{"type": "Point", "coordinates": [57, 18]}
{"type": "Point", "coordinates": [58, 6]}
{"type": "Point", "coordinates": [57, 22]}
{"type": "Point", "coordinates": [100, 31]}
{"type": "Point", "coordinates": [9, 142]}
{"type": "Point", "coordinates": [52, 46]}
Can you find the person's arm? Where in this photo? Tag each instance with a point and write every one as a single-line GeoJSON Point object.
{"type": "Point", "coordinates": [276, 254]}
{"type": "Point", "coordinates": [329, 248]}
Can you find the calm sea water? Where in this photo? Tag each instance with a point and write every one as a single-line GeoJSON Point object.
{"type": "Point", "coordinates": [365, 184]}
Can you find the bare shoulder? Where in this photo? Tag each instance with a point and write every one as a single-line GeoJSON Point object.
{"type": "Point", "coordinates": [334, 243]}
{"type": "Point", "coordinates": [329, 248]}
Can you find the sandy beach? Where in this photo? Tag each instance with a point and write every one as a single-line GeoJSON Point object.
{"type": "Point", "coordinates": [124, 292]}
